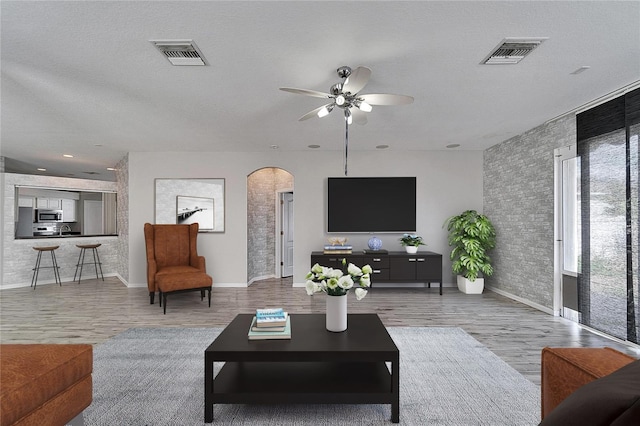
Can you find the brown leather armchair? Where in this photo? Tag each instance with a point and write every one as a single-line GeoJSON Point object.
{"type": "Point", "coordinates": [173, 264]}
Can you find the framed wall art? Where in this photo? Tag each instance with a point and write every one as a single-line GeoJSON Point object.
{"type": "Point", "coordinates": [184, 201]}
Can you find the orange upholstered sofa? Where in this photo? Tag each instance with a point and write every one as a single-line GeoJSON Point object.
{"type": "Point", "coordinates": [44, 384]}
{"type": "Point", "coordinates": [173, 264]}
{"type": "Point", "coordinates": [592, 386]}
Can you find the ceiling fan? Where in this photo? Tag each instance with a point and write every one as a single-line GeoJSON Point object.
{"type": "Point", "coordinates": [346, 96]}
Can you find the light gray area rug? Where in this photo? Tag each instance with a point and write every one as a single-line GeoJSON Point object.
{"type": "Point", "coordinates": [155, 377]}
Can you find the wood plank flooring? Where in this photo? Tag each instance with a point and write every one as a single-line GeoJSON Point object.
{"type": "Point", "coordinates": [95, 310]}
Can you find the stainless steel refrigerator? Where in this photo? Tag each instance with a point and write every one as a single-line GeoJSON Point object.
{"type": "Point", "coordinates": [24, 228]}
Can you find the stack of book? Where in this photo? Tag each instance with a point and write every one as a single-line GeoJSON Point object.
{"type": "Point", "coordinates": [338, 249]}
{"type": "Point", "coordinates": [270, 323]}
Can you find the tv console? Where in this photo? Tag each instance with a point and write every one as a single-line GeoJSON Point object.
{"type": "Point", "coordinates": [390, 267]}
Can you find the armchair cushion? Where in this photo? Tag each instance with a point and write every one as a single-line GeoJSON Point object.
{"type": "Point", "coordinates": [168, 283]}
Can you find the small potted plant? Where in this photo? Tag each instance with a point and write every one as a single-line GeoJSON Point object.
{"type": "Point", "coordinates": [471, 235]}
{"type": "Point", "coordinates": [411, 242]}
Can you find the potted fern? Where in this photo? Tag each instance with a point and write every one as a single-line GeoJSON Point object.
{"type": "Point", "coordinates": [471, 235]}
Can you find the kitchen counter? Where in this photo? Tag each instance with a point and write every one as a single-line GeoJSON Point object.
{"type": "Point", "coordinates": [65, 235]}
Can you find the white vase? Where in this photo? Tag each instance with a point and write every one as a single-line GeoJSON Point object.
{"type": "Point", "coordinates": [336, 313]}
{"type": "Point", "coordinates": [411, 249]}
{"type": "Point", "coordinates": [470, 287]}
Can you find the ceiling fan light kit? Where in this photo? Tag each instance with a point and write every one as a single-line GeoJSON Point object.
{"type": "Point", "coordinates": [346, 95]}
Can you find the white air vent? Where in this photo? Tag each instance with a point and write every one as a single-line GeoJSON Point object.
{"type": "Point", "coordinates": [512, 50]}
{"type": "Point", "coordinates": [180, 52]}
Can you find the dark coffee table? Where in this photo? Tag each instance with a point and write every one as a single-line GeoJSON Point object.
{"type": "Point", "coordinates": [315, 367]}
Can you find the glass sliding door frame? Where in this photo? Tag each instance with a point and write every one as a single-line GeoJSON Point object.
{"type": "Point", "coordinates": [607, 137]}
{"type": "Point", "coordinates": [566, 232]}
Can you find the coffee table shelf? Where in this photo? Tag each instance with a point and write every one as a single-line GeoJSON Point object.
{"type": "Point", "coordinates": [309, 368]}
{"type": "Point", "coordinates": [299, 382]}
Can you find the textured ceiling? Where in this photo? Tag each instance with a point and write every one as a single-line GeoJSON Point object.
{"type": "Point", "coordinates": [83, 78]}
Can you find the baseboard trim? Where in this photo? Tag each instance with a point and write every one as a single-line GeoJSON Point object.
{"type": "Point", "coordinates": [52, 281]}
{"type": "Point", "coordinates": [263, 277]}
{"type": "Point", "coordinates": [521, 300]}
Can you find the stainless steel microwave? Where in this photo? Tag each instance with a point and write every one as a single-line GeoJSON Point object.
{"type": "Point", "coordinates": [48, 215]}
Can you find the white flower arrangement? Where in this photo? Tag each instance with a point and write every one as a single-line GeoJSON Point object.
{"type": "Point", "coordinates": [334, 282]}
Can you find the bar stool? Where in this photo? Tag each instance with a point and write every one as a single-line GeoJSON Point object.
{"type": "Point", "coordinates": [54, 265]}
{"type": "Point", "coordinates": [96, 260]}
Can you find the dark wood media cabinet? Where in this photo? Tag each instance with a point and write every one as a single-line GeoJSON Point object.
{"type": "Point", "coordinates": [390, 267]}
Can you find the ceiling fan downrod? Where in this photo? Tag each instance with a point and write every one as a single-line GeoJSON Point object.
{"type": "Point", "coordinates": [346, 144]}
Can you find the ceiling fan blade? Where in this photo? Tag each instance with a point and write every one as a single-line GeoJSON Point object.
{"type": "Point", "coordinates": [314, 113]}
{"type": "Point", "coordinates": [359, 116]}
{"type": "Point", "coordinates": [357, 80]}
{"type": "Point", "coordinates": [307, 92]}
{"type": "Point", "coordinates": [386, 99]}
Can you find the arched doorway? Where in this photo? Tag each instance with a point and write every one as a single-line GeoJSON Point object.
{"type": "Point", "coordinates": [269, 224]}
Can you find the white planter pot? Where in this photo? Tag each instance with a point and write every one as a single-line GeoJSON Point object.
{"type": "Point", "coordinates": [470, 287]}
{"type": "Point", "coordinates": [336, 313]}
{"type": "Point", "coordinates": [411, 249]}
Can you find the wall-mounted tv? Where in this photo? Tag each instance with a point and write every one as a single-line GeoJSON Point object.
{"type": "Point", "coordinates": [371, 204]}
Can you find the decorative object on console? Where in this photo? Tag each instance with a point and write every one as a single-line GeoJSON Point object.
{"type": "Point", "coordinates": [336, 284]}
{"type": "Point", "coordinates": [337, 241]}
{"type": "Point", "coordinates": [338, 246]}
{"type": "Point", "coordinates": [471, 235]}
{"type": "Point", "coordinates": [375, 243]}
{"type": "Point", "coordinates": [346, 96]}
{"type": "Point", "coordinates": [411, 242]}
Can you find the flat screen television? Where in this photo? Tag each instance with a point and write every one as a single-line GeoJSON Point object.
{"type": "Point", "coordinates": [371, 204]}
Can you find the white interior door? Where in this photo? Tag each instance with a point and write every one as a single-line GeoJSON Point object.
{"type": "Point", "coordinates": [287, 234]}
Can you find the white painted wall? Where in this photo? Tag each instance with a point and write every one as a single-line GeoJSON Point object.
{"type": "Point", "coordinates": [448, 182]}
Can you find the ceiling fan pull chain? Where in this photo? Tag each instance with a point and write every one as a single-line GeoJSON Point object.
{"type": "Point", "coordinates": [346, 145]}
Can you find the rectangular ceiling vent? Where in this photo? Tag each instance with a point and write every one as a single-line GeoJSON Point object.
{"type": "Point", "coordinates": [512, 50]}
{"type": "Point", "coordinates": [180, 52]}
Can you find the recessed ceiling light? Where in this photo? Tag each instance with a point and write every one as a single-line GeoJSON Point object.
{"type": "Point", "coordinates": [40, 169]}
{"type": "Point", "coordinates": [67, 155]}
{"type": "Point", "coordinates": [382, 146]}
{"type": "Point", "coordinates": [313, 146]}
{"type": "Point", "coordinates": [453, 145]}
{"type": "Point", "coordinates": [111, 169]}
{"type": "Point", "coordinates": [274, 147]}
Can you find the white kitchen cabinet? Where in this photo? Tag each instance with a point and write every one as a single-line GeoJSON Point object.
{"type": "Point", "coordinates": [48, 203]}
{"type": "Point", "coordinates": [26, 201]}
{"type": "Point", "coordinates": [69, 210]}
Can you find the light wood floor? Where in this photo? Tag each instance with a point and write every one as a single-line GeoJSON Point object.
{"type": "Point", "coordinates": [95, 310]}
